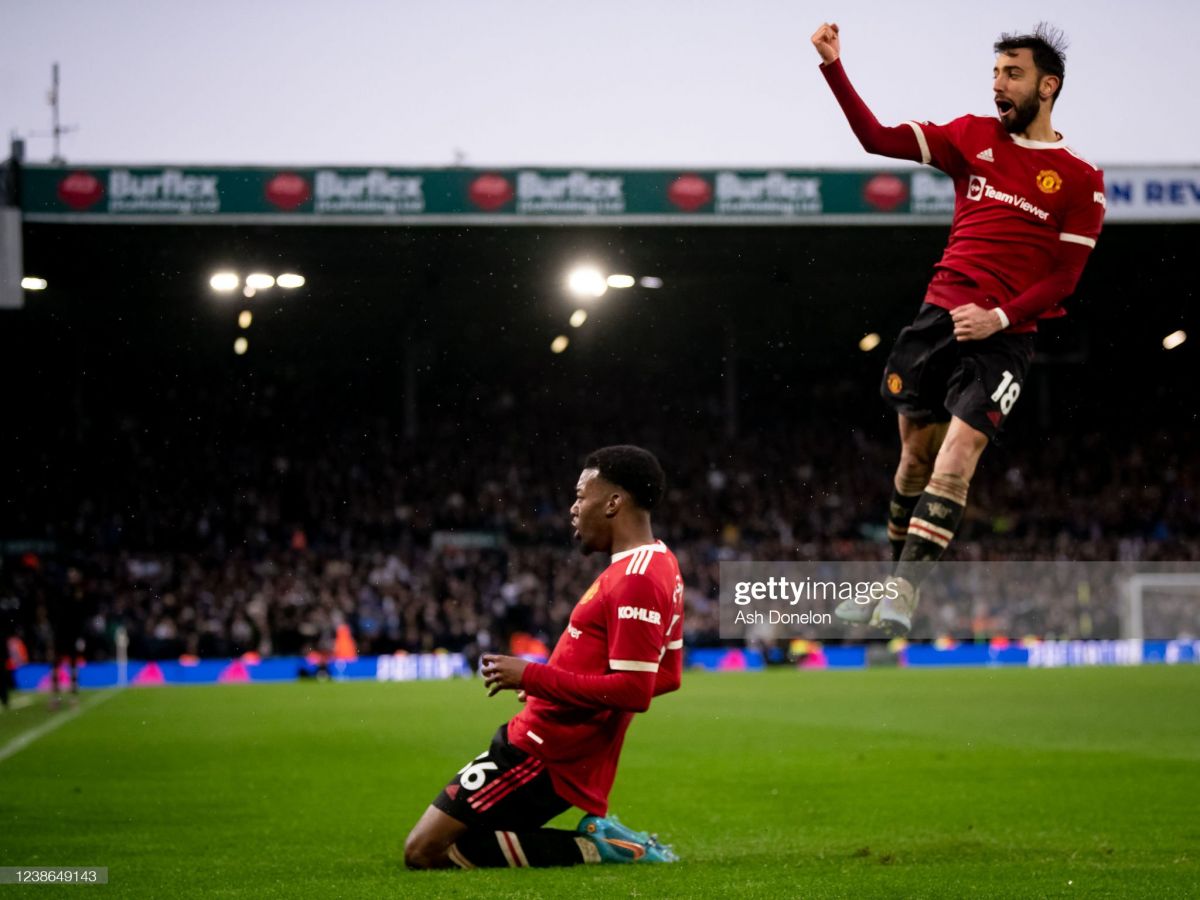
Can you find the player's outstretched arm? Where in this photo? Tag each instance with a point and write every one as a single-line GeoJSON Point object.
{"type": "Point", "coordinates": [898, 142]}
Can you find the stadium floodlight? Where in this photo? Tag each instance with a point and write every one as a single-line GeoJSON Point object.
{"type": "Point", "coordinates": [30, 283]}
{"type": "Point", "coordinates": [248, 292]}
{"type": "Point", "coordinates": [869, 342]}
{"type": "Point", "coordinates": [621, 281]}
{"type": "Point", "coordinates": [240, 346]}
{"type": "Point", "coordinates": [559, 344]}
{"type": "Point", "coordinates": [290, 280]}
{"type": "Point", "coordinates": [245, 318]}
{"type": "Point", "coordinates": [1174, 339]}
{"type": "Point", "coordinates": [651, 281]}
{"type": "Point", "coordinates": [224, 282]}
{"type": "Point", "coordinates": [578, 317]}
{"type": "Point", "coordinates": [260, 281]}
{"type": "Point", "coordinates": [586, 282]}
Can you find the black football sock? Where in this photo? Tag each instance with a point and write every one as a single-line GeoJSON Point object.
{"type": "Point", "coordinates": [905, 494]}
{"type": "Point", "coordinates": [542, 848]}
{"type": "Point", "coordinates": [934, 521]}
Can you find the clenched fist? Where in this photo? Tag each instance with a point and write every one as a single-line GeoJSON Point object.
{"type": "Point", "coordinates": [827, 42]}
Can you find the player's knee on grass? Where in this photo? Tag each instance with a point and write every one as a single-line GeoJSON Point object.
{"type": "Point", "coordinates": [423, 852]}
{"type": "Point", "coordinates": [427, 845]}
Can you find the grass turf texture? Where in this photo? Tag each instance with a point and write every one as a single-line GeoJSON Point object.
{"type": "Point", "coordinates": [882, 783]}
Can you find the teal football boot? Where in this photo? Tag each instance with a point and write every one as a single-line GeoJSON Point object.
{"type": "Point", "coordinates": [618, 844]}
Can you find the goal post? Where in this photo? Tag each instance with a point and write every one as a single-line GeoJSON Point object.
{"type": "Point", "coordinates": [1145, 592]}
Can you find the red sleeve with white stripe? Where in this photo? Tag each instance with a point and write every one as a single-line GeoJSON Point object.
{"type": "Point", "coordinates": [636, 638]}
{"type": "Point", "coordinates": [1081, 227]}
{"type": "Point", "coordinates": [638, 611]}
{"type": "Point", "coordinates": [628, 691]}
{"type": "Point", "coordinates": [939, 145]}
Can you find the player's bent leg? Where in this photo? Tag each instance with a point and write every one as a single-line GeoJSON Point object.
{"type": "Point", "coordinates": [935, 520]}
{"type": "Point", "coordinates": [490, 816]}
{"type": "Point", "coordinates": [429, 843]}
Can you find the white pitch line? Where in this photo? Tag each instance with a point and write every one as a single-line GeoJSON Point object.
{"type": "Point", "coordinates": [21, 741]}
{"type": "Point", "coordinates": [21, 702]}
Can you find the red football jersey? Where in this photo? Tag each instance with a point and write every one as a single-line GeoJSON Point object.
{"type": "Point", "coordinates": [629, 621]}
{"type": "Point", "coordinates": [1016, 202]}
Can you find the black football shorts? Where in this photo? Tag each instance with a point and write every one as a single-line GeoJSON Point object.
{"type": "Point", "coordinates": [930, 376]}
{"type": "Point", "coordinates": [502, 789]}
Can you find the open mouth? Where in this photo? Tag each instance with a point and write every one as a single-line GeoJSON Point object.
{"type": "Point", "coordinates": [1004, 107]}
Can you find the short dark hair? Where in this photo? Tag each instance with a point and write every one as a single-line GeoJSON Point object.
{"type": "Point", "coordinates": [1049, 46]}
{"type": "Point", "coordinates": [633, 469]}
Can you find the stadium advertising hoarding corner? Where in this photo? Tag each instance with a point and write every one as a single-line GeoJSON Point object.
{"type": "Point", "coordinates": [522, 195]}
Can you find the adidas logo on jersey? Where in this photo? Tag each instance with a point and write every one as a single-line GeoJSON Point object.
{"type": "Point", "coordinates": [986, 155]}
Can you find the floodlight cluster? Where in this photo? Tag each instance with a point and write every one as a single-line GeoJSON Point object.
{"type": "Point", "coordinates": [587, 284]}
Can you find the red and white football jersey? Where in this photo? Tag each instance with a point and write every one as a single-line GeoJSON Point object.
{"type": "Point", "coordinates": [629, 621]}
{"type": "Point", "coordinates": [1016, 202]}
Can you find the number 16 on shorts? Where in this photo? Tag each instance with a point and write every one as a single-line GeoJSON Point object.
{"type": "Point", "coordinates": [1007, 393]}
{"type": "Point", "coordinates": [475, 773]}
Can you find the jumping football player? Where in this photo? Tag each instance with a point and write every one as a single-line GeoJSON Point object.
{"type": "Point", "coordinates": [1027, 213]}
{"type": "Point", "coordinates": [622, 647]}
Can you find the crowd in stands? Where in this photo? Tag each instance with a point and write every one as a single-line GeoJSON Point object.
{"type": "Point", "coordinates": [459, 538]}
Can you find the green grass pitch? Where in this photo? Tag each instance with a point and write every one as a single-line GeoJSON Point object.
{"type": "Point", "coordinates": [880, 783]}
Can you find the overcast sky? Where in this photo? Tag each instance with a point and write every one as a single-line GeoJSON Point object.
{"type": "Point", "coordinates": [509, 82]}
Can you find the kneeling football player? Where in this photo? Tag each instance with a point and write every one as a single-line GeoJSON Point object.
{"type": "Point", "coordinates": [622, 647]}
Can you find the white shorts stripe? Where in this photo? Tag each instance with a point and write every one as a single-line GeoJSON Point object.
{"type": "Point", "coordinates": [926, 156]}
{"type": "Point", "coordinates": [632, 665]}
{"type": "Point", "coordinates": [1077, 239]}
{"type": "Point", "coordinates": [457, 858]}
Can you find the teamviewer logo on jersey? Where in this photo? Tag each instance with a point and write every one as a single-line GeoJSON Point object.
{"type": "Point", "coordinates": [975, 187]}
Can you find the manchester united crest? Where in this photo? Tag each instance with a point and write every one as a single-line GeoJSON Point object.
{"type": "Point", "coordinates": [589, 593]}
{"type": "Point", "coordinates": [895, 383]}
{"type": "Point", "coordinates": [1049, 181]}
